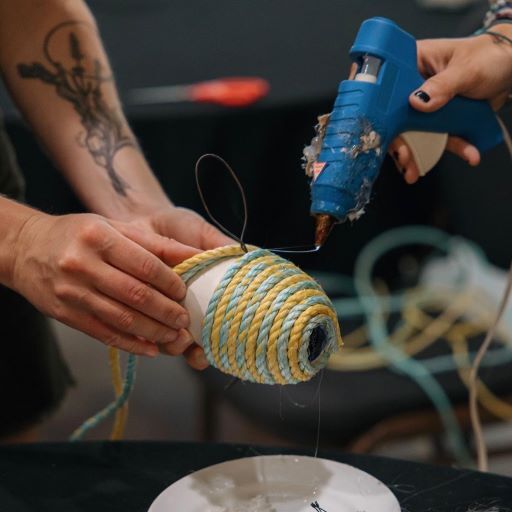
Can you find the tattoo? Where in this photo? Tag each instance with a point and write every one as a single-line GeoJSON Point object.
{"type": "Point", "coordinates": [317, 507]}
{"type": "Point", "coordinates": [104, 135]}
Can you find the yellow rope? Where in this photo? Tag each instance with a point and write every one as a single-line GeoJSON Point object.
{"type": "Point", "coordinates": [117, 381]}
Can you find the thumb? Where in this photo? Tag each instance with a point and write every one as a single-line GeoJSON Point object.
{"type": "Point", "coordinates": [437, 91]}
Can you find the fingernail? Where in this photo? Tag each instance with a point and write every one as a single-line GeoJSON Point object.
{"type": "Point", "coordinates": [182, 321]}
{"type": "Point", "coordinates": [170, 336]}
{"type": "Point", "coordinates": [422, 95]}
{"type": "Point", "coordinates": [151, 351]}
{"type": "Point", "coordinates": [182, 293]}
{"type": "Point", "coordinates": [184, 337]}
{"type": "Point", "coordinates": [201, 360]}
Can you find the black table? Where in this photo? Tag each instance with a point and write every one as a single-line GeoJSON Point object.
{"type": "Point", "coordinates": [128, 476]}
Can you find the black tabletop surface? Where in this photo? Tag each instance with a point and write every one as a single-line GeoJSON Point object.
{"type": "Point", "coordinates": [128, 476]}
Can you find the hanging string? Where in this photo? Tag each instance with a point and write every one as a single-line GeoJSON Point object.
{"type": "Point", "coordinates": [318, 424]}
{"type": "Point", "coordinates": [297, 249]}
{"type": "Point", "coordinates": [242, 194]}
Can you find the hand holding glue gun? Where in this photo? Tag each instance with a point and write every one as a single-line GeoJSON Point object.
{"type": "Point", "coordinates": [478, 67]}
{"type": "Point", "coordinates": [387, 106]}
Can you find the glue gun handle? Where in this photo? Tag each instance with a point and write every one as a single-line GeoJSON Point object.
{"type": "Point", "coordinates": [472, 120]}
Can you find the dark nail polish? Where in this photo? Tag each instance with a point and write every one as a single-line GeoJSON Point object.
{"type": "Point", "coordinates": [396, 156]}
{"type": "Point", "coordinates": [422, 95]}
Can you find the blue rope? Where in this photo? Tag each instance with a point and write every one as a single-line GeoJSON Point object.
{"type": "Point", "coordinates": [94, 421]}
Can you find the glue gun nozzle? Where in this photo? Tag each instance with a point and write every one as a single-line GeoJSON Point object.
{"type": "Point", "coordinates": [324, 225]}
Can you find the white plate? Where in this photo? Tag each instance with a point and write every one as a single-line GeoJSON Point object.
{"type": "Point", "coordinates": [277, 483]}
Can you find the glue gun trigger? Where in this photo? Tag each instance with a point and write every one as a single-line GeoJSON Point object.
{"type": "Point", "coordinates": [427, 148]}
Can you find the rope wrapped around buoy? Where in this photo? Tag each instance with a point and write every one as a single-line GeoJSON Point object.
{"type": "Point", "coordinates": [267, 321]}
{"type": "Point", "coordinates": [257, 316]}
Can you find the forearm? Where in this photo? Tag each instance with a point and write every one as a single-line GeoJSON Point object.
{"type": "Point", "coordinates": [14, 217]}
{"type": "Point", "coordinates": [60, 78]}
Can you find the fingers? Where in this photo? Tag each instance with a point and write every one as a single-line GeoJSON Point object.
{"type": "Point", "coordinates": [111, 337]}
{"type": "Point", "coordinates": [464, 150]}
{"type": "Point", "coordinates": [125, 319]}
{"type": "Point", "coordinates": [404, 160]}
{"type": "Point", "coordinates": [193, 353]}
{"type": "Point", "coordinates": [141, 297]}
{"type": "Point", "coordinates": [131, 258]}
{"type": "Point", "coordinates": [439, 90]}
{"type": "Point", "coordinates": [195, 357]}
{"type": "Point", "coordinates": [178, 346]}
{"type": "Point", "coordinates": [168, 250]}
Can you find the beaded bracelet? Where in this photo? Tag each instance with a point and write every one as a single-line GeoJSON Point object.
{"type": "Point", "coordinates": [500, 12]}
{"type": "Point", "coordinates": [500, 37]}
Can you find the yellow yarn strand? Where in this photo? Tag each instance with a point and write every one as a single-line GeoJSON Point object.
{"type": "Point", "coordinates": [117, 381]}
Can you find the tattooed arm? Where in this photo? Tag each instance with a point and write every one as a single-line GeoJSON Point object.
{"type": "Point", "coordinates": [52, 60]}
{"type": "Point", "coordinates": [57, 72]}
{"type": "Point", "coordinates": [56, 69]}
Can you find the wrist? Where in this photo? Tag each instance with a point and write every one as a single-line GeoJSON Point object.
{"type": "Point", "coordinates": [502, 28]}
{"type": "Point", "coordinates": [17, 219]}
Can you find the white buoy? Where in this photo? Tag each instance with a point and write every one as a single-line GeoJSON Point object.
{"type": "Point", "coordinates": [199, 292]}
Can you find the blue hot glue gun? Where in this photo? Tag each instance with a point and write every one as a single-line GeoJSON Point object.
{"type": "Point", "coordinates": [369, 112]}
